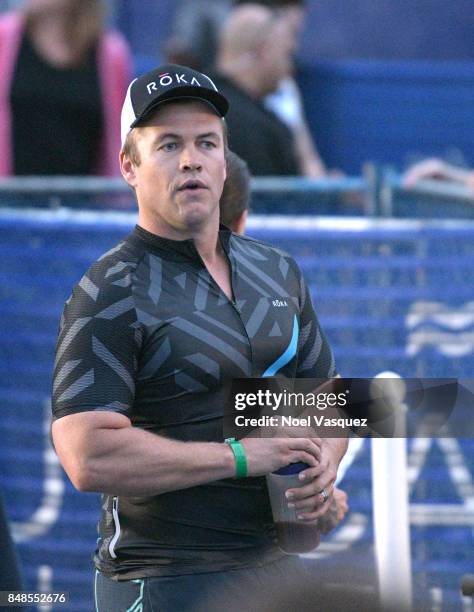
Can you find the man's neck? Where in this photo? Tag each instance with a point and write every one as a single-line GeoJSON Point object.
{"type": "Point", "coordinates": [205, 238]}
{"type": "Point", "coordinates": [208, 245]}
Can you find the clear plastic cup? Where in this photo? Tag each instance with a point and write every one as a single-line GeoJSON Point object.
{"type": "Point", "coordinates": [294, 535]}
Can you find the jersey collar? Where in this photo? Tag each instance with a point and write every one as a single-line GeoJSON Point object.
{"type": "Point", "coordinates": [181, 247]}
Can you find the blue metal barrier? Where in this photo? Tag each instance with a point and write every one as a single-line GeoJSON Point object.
{"type": "Point", "coordinates": [391, 295]}
{"type": "Point", "coordinates": [379, 192]}
{"type": "Point", "coordinates": [284, 195]}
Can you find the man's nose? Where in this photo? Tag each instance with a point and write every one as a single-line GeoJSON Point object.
{"type": "Point", "coordinates": [190, 159]}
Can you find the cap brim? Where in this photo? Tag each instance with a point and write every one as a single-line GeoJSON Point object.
{"type": "Point", "coordinates": [213, 98]}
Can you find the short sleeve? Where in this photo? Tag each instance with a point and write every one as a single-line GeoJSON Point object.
{"type": "Point", "coordinates": [315, 358]}
{"type": "Point", "coordinates": [97, 349]}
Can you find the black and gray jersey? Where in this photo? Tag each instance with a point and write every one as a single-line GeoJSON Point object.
{"type": "Point", "coordinates": [148, 333]}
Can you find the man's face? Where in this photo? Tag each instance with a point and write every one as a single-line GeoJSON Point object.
{"type": "Point", "coordinates": [179, 180]}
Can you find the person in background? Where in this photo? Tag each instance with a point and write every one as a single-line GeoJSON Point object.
{"type": "Point", "coordinates": [10, 574]}
{"type": "Point", "coordinates": [195, 41]}
{"type": "Point", "coordinates": [437, 169]}
{"type": "Point", "coordinates": [254, 55]}
{"type": "Point", "coordinates": [234, 204]}
{"type": "Point", "coordinates": [63, 82]}
{"type": "Point", "coordinates": [287, 103]}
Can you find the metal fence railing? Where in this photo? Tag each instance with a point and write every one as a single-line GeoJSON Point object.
{"type": "Point", "coordinates": [371, 195]}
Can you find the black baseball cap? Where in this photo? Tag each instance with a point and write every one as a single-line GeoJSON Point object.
{"type": "Point", "coordinates": [168, 82]}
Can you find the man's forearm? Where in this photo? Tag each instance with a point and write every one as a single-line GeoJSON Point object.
{"type": "Point", "coordinates": [166, 465]}
{"type": "Point", "coordinates": [126, 460]}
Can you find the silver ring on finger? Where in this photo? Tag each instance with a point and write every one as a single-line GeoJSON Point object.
{"type": "Point", "coordinates": [325, 495]}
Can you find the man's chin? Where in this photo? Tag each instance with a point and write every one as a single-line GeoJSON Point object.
{"type": "Point", "coordinates": [195, 217]}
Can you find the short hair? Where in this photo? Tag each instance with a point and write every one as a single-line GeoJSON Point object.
{"type": "Point", "coordinates": [235, 196]}
{"type": "Point", "coordinates": [130, 149]}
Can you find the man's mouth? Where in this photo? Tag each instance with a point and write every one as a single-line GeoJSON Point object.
{"type": "Point", "coordinates": [192, 185]}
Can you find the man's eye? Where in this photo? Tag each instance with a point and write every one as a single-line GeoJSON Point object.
{"type": "Point", "coordinates": [208, 144]}
{"type": "Point", "coordinates": [168, 146]}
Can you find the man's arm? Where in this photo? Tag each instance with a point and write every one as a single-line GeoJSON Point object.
{"type": "Point", "coordinates": [437, 169]}
{"type": "Point", "coordinates": [311, 164]}
{"type": "Point", "coordinates": [102, 451]}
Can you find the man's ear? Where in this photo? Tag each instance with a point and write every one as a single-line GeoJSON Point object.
{"type": "Point", "coordinates": [127, 168]}
{"type": "Point", "coordinates": [238, 226]}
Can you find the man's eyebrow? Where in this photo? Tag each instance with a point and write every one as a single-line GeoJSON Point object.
{"type": "Point", "coordinates": [167, 135]}
{"type": "Point", "coordinates": [173, 136]}
{"type": "Point", "coordinates": [209, 135]}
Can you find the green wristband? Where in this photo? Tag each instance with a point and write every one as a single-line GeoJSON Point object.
{"type": "Point", "coordinates": [239, 456]}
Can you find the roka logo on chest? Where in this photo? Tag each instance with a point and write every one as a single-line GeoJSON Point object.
{"type": "Point", "coordinates": [167, 79]}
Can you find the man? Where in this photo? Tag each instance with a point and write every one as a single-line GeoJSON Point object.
{"type": "Point", "coordinates": [286, 101]}
{"type": "Point", "coordinates": [254, 55]}
{"type": "Point", "coordinates": [147, 340]}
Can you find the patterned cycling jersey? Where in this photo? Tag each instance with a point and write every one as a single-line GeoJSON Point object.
{"type": "Point", "coordinates": [148, 333]}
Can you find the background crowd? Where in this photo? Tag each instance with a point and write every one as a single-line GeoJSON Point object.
{"type": "Point", "coordinates": [54, 120]}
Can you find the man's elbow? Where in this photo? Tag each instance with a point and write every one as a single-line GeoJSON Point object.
{"type": "Point", "coordinates": [83, 477]}
{"type": "Point", "coordinates": [84, 483]}
{"type": "Point", "coordinates": [79, 443]}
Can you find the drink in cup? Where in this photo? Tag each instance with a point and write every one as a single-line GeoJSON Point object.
{"type": "Point", "coordinates": [294, 535]}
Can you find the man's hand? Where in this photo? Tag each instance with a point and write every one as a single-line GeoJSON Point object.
{"type": "Point", "coordinates": [336, 512]}
{"type": "Point", "coordinates": [309, 500]}
{"type": "Point", "coordinates": [265, 455]}
{"type": "Point", "coordinates": [436, 169]}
